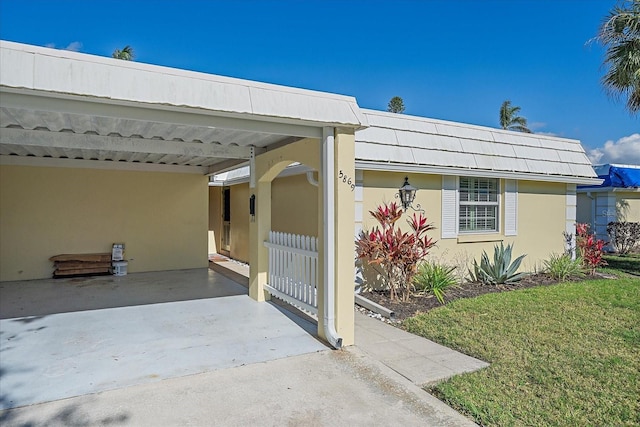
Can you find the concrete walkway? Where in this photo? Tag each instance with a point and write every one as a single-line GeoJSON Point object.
{"type": "Point", "coordinates": [419, 360]}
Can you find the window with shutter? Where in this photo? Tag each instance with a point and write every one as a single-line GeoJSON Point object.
{"type": "Point", "coordinates": [478, 205]}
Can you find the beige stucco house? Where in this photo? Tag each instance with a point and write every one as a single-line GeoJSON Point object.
{"type": "Point", "coordinates": [95, 150]}
{"type": "Point", "coordinates": [479, 186]}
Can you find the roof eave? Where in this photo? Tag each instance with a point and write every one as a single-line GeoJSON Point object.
{"type": "Point", "coordinates": [439, 170]}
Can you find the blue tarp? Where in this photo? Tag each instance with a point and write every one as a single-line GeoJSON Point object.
{"type": "Point", "coordinates": [616, 176]}
{"type": "Point", "coordinates": [621, 177]}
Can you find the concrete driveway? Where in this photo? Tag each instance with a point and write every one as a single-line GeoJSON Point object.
{"type": "Point", "coordinates": [72, 337]}
{"type": "Point", "coordinates": [327, 388]}
{"type": "Point", "coordinates": [189, 348]}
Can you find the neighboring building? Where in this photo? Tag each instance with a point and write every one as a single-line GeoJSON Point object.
{"type": "Point", "coordinates": [617, 198]}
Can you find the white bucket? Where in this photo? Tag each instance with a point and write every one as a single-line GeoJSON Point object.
{"type": "Point", "coordinates": [119, 268]}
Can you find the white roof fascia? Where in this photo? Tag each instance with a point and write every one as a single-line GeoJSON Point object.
{"type": "Point", "coordinates": [53, 162]}
{"type": "Point", "coordinates": [241, 175]}
{"type": "Point", "coordinates": [29, 99]}
{"type": "Point", "coordinates": [626, 190]}
{"type": "Point", "coordinates": [435, 170]}
{"type": "Point", "coordinates": [607, 190]}
{"type": "Point", "coordinates": [388, 167]}
{"type": "Point", "coordinates": [71, 73]}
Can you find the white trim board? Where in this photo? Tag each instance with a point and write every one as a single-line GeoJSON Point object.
{"type": "Point", "coordinates": [434, 170]}
{"type": "Point", "coordinates": [97, 164]}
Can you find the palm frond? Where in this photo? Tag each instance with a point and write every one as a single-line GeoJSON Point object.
{"type": "Point", "coordinates": [620, 35]}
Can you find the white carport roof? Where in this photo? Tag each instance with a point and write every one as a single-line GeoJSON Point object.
{"type": "Point", "coordinates": [397, 142]}
{"type": "Point", "coordinates": [58, 104]}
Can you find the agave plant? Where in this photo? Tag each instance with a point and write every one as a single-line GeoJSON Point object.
{"type": "Point", "coordinates": [501, 271]}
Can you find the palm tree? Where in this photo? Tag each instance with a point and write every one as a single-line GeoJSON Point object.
{"type": "Point", "coordinates": [125, 54]}
{"type": "Point", "coordinates": [620, 35]}
{"type": "Point", "coordinates": [510, 120]}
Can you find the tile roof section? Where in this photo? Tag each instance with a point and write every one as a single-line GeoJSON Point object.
{"type": "Point", "coordinates": [401, 139]}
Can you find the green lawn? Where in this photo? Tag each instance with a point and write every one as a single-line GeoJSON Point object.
{"type": "Point", "coordinates": [563, 355]}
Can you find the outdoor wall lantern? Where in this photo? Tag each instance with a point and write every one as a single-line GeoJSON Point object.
{"type": "Point", "coordinates": [407, 194]}
{"type": "Point", "coordinates": [252, 207]}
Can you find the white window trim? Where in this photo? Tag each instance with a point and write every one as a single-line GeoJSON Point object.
{"type": "Point", "coordinates": [507, 209]}
{"type": "Point", "coordinates": [497, 204]}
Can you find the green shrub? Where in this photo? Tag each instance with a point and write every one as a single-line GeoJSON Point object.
{"type": "Point", "coordinates": [502, 270]}
{"type": "Point", "coordinates": [562, 266]}
{"type": "Point", "coordinates": [625, 236]}
{"type": "Point", "coordinates": [435, 278]}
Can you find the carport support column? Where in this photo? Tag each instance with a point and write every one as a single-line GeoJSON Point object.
{"type": "Point", "coordinates": [335, 222]}
{"type": "Point", "coordinates": [258, 234]}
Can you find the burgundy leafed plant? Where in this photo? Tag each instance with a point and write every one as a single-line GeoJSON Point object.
{"type": "Point", "coordinates": [591, 249]}
{"type": "Point", "coordinates": [394, 253]}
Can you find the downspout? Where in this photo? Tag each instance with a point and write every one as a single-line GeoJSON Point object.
{"type": "Point", "coordinates": [328, 206]}
{"type": "Point", "coordinates": [311, 179]}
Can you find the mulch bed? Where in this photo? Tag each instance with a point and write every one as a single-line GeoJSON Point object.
{"type": "Point", "coordinates": [424, 303]}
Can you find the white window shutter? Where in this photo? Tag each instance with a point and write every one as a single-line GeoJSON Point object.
{"type": "Point", "coordinates": [510, 207]}
{"type": "Point", "coordinates": [449, 207]}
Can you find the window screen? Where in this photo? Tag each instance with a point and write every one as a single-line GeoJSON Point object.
{"type": "Point", "coordinates": [478, 204]}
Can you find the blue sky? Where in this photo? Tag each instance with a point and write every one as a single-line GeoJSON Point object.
{"type": "Point", "coordinates": [450, 60]}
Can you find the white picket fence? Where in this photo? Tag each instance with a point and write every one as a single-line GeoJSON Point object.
{"type": "Point", "coordinates": [293, 269]}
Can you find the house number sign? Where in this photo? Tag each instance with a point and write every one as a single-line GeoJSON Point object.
{"type": "Point", "coordinates": [347, 180]}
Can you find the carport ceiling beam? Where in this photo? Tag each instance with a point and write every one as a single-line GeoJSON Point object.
{"type": "Point", "coordinates": [101, 107]}
{"type": "Point", "coordinates": [72, 141]}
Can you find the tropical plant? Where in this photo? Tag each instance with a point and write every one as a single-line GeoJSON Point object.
{"type": "Point", "coordinates": [619, 33]}
{"type": "Point", "coordinates": [591, 248]}
{"type": "Point", "coordinates": [396, 105]}
{"type": "Point", "coordinates": [501, 271]}
{"type": "Point", "coordinates": [562, 267]}
{"type": "Point", "coordinates": [435, 278]}
{"type": "Point", "coordinates": [625, 236]}
{"type": "Point", "coordinates": [125, 54]}
{"type": "Point", "coordinates": [392, 252]}
{"type": "Point", "coordinates": [510, 120]}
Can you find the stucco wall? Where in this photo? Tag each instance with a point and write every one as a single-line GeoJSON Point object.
{"type": "Point", "coordinates": [294, 209]}
{"type": "Point", "coordinates": [239, 234]}
{"type": "Point", "coordinates": [215, 219]}
{"type": "Point", "coordinates": [161, 217]}
{"type": "Point", "coordinates": [541, 221]}
{"type": "Point", "coordinates": [584, 212]}
{"type": "Point", "coordinates": [629, 206]}
{"type": "Point", "coordinates": [294, 206]}
{"type": "Point", "coordinates": [541, 217]}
